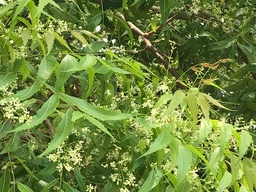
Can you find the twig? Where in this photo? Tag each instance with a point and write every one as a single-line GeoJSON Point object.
{"type": "Point", "coordinates": [50, 127]}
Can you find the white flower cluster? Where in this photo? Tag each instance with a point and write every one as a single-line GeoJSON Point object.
{"type": "Point", "coordinates": [12, 108]}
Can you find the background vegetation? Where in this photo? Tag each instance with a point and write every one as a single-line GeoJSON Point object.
{"type": "Point", "coordinates": [132, 95]}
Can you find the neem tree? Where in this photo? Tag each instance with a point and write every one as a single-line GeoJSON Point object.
{"type": "Point", "coordinates": [136, 95]}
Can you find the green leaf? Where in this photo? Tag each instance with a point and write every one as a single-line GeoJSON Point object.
{"type": "Point", "coordinates": [12, 145]}
{"type": "Point", "coordinates": [215, 157]}
{"type": "Point", "coordinates": [25, 35]}
{"type": "Point", "coordinates": [80, 37]}
{"type": "Point", "coordinates": [176, 100]}
{"type": "Point", "coordinates": [90, 81]}
{"type": "Point", "coordinates": [68, 188]}
{"type": "Point", "coordinates": [27, 168]}
{"type": "Point", "coordinates": [62, 41]}
{"type": "Point", "coordinates": [163, 100]}
{"type": "Point", "coordinates": [162, 140]}
{"type": "Point", "coordinates": [204, 105]}
{"type": "Point", "coordinates": [165, 7]}
{"type": "Point", "coordinates": [26, 93]}
{"type": "Point", "coordinates": [174, 152]}
{"type": "Point", "coordinates": [62, 75]}
{"type": "Point", "coordinates": [7, 79]}
{"type": "Point", "coordinates": [62, 131]}
{"type": "Point", "coordinates": [250, 173]}
{"type": "Point", "coordinates": [243, 189]}
{"type": "Point", "coordinates": [4, 128]}
{"type": "Point", "coordinates": [80, 180]}
{"type": "Point", "coordinates": [24, 188]}
{"type": "Point", "coordinates": [205, 128]}
{"type": "Point", "coordinates": [184, 163]}
{"type": "Point", "coordinates": [200, 155]}
{"type": "Point", "coordinates": [7, 7]}
{"type": "Point", "coordinates": [43, 3]}
{"type": "Point", "coordinates": [46, 67]}
{"type": "Point", "coordinates": [21, 5]}
{"type": "Point", "coordinates": [247, 51]}
{"type": "Point", "coordinates": [47, 108]}
{"type": "Point", "coordinates": [50, 185]}
{"type": "Point", "coordinates": [127, 28]}
{"type": "Point", "coordinates": [226, 131]}
{"type": "Point", "coordinates": [49, 39]}
{"type": "Point", "coordinates": [225, 181]}
{"type": "Point", "coordinates": [84, 63]}
{"type": "Point", "coordinates": [235, 166]}
{"type": "Point", "coordinates": [98, 124]}
{"type": "Point", "coordinates": [214, 101]}
{"type": "Point", "coordinates": [246, 140]}
{"type": "Point", "coordinates": [109, 65]}
{"type": "Point", "coordinates": [192, 104]}
{"type": "Point", "coordinates": [97, 112]}
{"type": "Point", "coordinates": [5, 181]}
{"type": "Point", "coordinates": [224, 44]}
{"type": "Point", "coordinates": [152, 180]}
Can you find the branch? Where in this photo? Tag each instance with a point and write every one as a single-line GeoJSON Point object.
{"type": "Point", "coordinates": [149, 47]}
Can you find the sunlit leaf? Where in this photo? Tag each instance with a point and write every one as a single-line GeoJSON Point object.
{"type": "Point", "coordinates": [225, 181]}
{"type": "Point", "coordinates": [204, 105]}
{"type": "Point", "coordinates": [235, 166]}
{"type": "Point", "coordinates": [246, 140]}
{"type": "Point", "coordinates": [176, 100]}
{"type": "Point", "coordinates": [250, 173]}
{"type": "Point", "coordinates": [23, 187]}
{"type": "Point", "coordinates": [215, 157]}
{"type": "Point", "coordinates": [152, 180]}
{"type": "Point", "coordinates": [7, 7]}
{"type": "Point", "coordinates": [214, 101]}
{"type": "Point", "coordinates": [192, 104]}
{"type": "Point", "coordinates": [184, 162]}
{"type": "Point", "coordinates": [226, 131]}
{"type": "Point", "coordinates": [205, 129]}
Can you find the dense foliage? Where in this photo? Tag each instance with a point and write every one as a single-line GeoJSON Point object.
{"type": "Point", "coordinates": [132, 95]}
